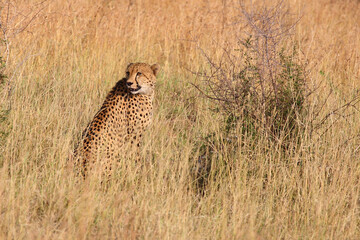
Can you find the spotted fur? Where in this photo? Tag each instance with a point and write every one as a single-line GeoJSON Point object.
{"type": "Point", "coordinates": [121, 121]}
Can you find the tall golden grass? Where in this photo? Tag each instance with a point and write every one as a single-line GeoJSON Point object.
{"type": "Point", "coordinates": [66, 55]}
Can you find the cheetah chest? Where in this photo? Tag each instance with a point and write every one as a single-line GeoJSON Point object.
{"type": "Point", "coordinates": [131, 116]}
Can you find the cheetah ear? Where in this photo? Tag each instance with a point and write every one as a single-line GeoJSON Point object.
{"type": "Point", "coordinates": [129, 65]}
{"type": "Point", "coordinates": [155, 68]}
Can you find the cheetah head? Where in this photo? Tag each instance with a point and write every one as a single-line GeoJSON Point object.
{"type": "Point", "coordinates": [141, 78]}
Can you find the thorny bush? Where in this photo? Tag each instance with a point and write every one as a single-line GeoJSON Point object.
{"type": "Point", "coordinates": [260, 87]}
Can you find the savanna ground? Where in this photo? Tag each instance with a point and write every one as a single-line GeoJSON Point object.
{"type": "Point", "coordinates": [62, 57]}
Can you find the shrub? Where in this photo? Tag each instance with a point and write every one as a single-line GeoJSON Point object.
{"type": "Point", "coordinates": [259, 84]}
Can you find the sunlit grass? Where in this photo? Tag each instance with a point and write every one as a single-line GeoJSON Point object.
{"type": "Point", "coordinates": [71, 55]}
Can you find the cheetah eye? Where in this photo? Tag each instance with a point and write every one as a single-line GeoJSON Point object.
{"type": "Point", "coordinates": [127, 73]}
{"type": "Point", "coordinates": [139, 74]}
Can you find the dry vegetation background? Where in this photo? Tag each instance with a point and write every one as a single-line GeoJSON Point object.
{"type": "Point", "coordinates": [64, 56]}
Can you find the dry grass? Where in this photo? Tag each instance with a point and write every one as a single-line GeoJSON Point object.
{"type": "Point", "coordinates": [62, 65]}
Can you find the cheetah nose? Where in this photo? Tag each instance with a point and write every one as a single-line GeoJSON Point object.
{"type": "Point", "coordinates": [129, 84]}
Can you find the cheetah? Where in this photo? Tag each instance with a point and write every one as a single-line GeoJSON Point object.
{"type": "Point", "coordinates": [121, 121]}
